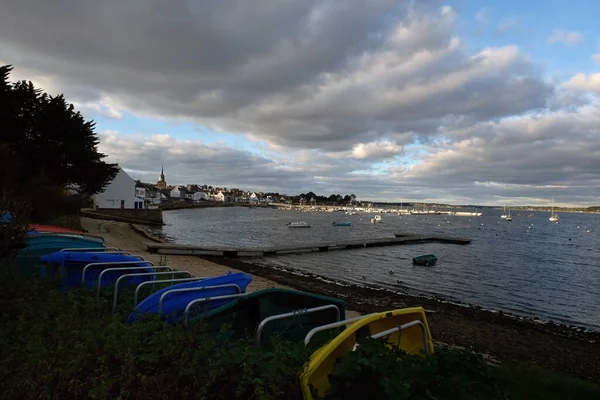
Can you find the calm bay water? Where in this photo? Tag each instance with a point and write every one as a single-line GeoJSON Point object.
{"type": "Point", "coordinates": [529, 266]}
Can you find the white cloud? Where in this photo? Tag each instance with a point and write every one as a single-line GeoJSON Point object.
{"type": "Point", "coordinates": [383, 149]}
{"type": "Point", "coordinates": [584, 82]}
{"type": "Point", "coordinates": [568, 38]}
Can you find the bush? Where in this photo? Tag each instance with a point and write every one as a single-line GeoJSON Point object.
{"type": "Point", "coordinates": [64, 344]}
{"type": "Point", "coordinates": [378, 371]}
{"type": "Point", "coordinates": [14, 221]}
{"type": "Point", "coordinates": [67, 345]}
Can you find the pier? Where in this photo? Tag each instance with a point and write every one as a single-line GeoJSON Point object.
{"type": "Point", "coordinates": [225, 251]}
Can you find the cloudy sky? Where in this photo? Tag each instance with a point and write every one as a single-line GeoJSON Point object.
{"type": "Point", "coordinates": [455, 101]}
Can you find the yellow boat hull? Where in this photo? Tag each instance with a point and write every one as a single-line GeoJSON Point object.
{"type": "Point", "coordinates": [413, 339]}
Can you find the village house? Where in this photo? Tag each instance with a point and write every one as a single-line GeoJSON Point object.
{"type": "Point", "coordinates": [175, 193]}
{"type": "Point", "coordinates": [121, 192]}
{"type": "Point", "coordinates": [151, 194]}
{"type": "Point", "coordinates": [223, 197]}
{"type": "Point", "coordinates": [200, 196]}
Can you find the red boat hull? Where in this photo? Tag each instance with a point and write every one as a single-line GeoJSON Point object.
{"type": "Point", "coordinates": [52, 229]}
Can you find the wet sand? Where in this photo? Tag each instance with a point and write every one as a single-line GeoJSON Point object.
{"type": "Point", "coordinates": [123, 236]}
{"type": "Point", "coordinates": [501, 336]}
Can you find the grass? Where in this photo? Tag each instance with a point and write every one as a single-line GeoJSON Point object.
{"type": "Point", "coordinates": [67, 345]}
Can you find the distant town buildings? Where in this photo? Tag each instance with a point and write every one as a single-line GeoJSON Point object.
{"type": "Point", "coordinates": [124, 192]}
{"type": "Point", "coordinates": [154, 194]}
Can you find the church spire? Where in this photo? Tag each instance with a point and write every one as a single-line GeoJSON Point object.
{"type": "Point", "coordinates": [161, 184]}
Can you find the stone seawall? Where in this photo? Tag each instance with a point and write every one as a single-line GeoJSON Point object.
{"type": "Point", "coordinates": [153, 217]}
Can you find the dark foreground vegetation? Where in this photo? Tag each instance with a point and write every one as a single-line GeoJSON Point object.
{"type": "Point", "coordinates": [58, 344]}
{"type": "Point", "coordinates": [67, 345]}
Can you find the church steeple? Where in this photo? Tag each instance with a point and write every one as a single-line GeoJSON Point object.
{"type": "Point", "coordinates": [161, 184]}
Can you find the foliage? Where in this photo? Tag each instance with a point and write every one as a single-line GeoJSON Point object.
{"type": "Point", "coordinates": [14, 220]}
{"type": "Point", "coordinates": [67, 345]}
{"type": "Point", "coordinates": [46, 143]}
{"type": "Point", "coordinates": [64, 344]}
{"type": "Point", "coordinates": [384, 372]}
{"type": "Point", "coordinates": [378, 371]}
{"type": "Point", "coordinates": [332, 199]}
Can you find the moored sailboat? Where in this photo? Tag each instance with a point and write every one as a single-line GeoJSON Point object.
{"type": "Point", "coordinates": [553, 216]}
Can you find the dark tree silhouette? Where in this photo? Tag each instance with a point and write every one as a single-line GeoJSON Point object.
{"type": "Point", "coordinates": [48, 140]}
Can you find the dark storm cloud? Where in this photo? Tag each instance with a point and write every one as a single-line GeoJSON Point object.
{"type": "Point", "coordinates": [329, 87]}
{"type": "Point", "coordinates": [324, 74]}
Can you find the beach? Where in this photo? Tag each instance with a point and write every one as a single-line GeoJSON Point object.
{"type": "Point", "coordinates": [127, 237]}
{"type": "Point", "coordinates": [500, 336]}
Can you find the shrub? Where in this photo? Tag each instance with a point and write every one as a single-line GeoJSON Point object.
{"type": "Point", "coordinates": [14, 220]}
{"type": "Point", "coordinates": [64, 344]}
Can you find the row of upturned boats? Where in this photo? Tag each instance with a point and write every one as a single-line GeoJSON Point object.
{"type": "Point", "coordinates": [80, 260]}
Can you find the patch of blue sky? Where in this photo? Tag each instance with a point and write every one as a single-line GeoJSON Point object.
{"type": "Point", "coordinates": [529, 24]}
{"type": "Point", "coordinates": [131, 124]}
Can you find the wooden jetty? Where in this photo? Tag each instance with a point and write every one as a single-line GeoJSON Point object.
{"type": "Point", "coordinates": [224, 251]}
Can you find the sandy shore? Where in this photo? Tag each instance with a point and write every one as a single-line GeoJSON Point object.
{"type": "Point", "coordinates": [504, 337]}
{"type": "Point", "coordinates": [122, 236]}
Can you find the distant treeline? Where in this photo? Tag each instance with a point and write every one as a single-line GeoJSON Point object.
{"type": "Point", "coordinates": [311, 197]}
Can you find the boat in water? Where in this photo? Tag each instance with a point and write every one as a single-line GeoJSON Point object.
{"type": "Point", "coordinates": [271, 313]}
{"type": "Point", "coordinates": [426, 260]}
{"type": "Point", "coordinates": [172, 301]}
{"type": "Point", "coordinates": [299, 224]}
{"type": "Point", "coordinates": [504, 215]}
{"type": "Point", "coordinates": [344, 223]}
{"type": "Point", "coordinates": [376, 220]}
{"type": "Point", "coordinates": [406, 329]}
{"type": "Point", "coordinates": [553, 216]}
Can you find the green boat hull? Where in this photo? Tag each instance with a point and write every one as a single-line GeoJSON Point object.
{"type": "Point", "coordinates": [426, 260]}
{"type": "Point", "coordinates": [28, 259]}
{"type": "Point", "coordinates": [242, 316]}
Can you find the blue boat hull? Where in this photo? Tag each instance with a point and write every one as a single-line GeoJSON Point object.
{"type": "Point", "coordinates": [70, 267]}
{"type": "Point", "coordinates": [174, 305]}
{"type": "Point", "coordinates": [28, 259]}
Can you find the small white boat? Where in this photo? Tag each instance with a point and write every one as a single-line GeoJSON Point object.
{"type": "Point", "coordinates": [376, 220]}
{"type": "Point", "coordinates": [553, 217]}
{"type": "Point", "coordinates": [299, 224]}
{"type": "Point", "coordinates": [504, 215]}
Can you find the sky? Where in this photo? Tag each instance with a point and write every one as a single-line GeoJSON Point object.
{"type": "Point", "coordinates": [460, 102]}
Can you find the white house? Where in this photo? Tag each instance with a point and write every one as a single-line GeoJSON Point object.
{"type": "Point", "coordinates": [253, 198]}
{"type": "Point", "coordinates": [119, 193]}
{"type": "Point", "coordinates": [220, 197]}
{"type": "Point", "coordinates": [199, 196]}
{"type": "Point", "coordinates": [175, 193]}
